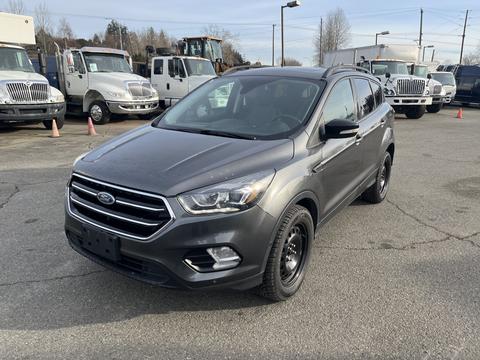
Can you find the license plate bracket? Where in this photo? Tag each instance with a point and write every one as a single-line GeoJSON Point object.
{"type": "Point", "coordinates": [101, 244]}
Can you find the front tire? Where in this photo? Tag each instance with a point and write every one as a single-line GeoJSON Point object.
{"type": "Point", "coordinates": [377, 192]}
{"type": "Point", "coordinates": [434, 108]}
{"type": "Point", "coordinates": [59, 120]}
{"type": "Point", "coordinates": [99, 113]}
{"type": "Point", "coordinates": [289, 255]}
{"type": "Point", "coordinates": [415, 112]}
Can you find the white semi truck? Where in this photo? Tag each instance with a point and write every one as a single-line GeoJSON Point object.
{"type": "Point", "coordinates": [407, 93]}
{"type": "Point", "coordinates": [175, 76]}
{"type": "Point", "coordinates": [99, 81]}
{"type": "Point", "coordinates": [25, 96]}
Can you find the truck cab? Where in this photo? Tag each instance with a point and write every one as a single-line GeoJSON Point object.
{"type": "Point", "coordinates": [408, 94]}
{"type": "Point", "coordinates": [100, 82]}
{"type": "Point", "coordinates": [173, 77]}
{"type": "Point", "coordinates": [437, 92]}
{"type": "Point", "coordinates": [447, 79]}
{"type": "Point", "coordinates": [25, 96]}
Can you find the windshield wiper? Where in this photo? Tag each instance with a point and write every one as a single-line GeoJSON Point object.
{"type": "Point", "coordinates": [214, 133]}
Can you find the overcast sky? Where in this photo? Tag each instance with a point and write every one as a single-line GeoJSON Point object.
{"type": "Point", "coordinates": [251, 21]}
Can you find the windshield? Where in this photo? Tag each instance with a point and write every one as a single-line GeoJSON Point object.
{"type": "Point", "coordinates": [198, 67]}
{"type": "Point", "coordinates": [252, 107]}
{"type": "Point", "coordinates": [12, 59]}
{"type": "Point", "coordinates": [106, 63]}
{"type": "Point", "coordinates": [380, 68]}
{"type": "Point", "coordinates": [421, 71]}
{"type": "Point", "coordinates": [444, 78]}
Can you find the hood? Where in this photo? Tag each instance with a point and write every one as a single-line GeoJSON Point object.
{"type": "Point", "coordinates": [196, 81]}
{"type": "Point", "coordinates": [169, 162]}
{"type": "Point", "coordinates": [7, 75]}
{"type": "Point", "coordinates": [115, 77]}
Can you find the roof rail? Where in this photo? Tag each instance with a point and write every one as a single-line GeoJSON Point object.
{"type": "Point", "coordinates": [243, 67]}
{"type": "Point", "coordinates": [339, 68]}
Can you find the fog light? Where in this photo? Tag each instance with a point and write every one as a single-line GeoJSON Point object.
{"type": "Point", "coordinates": [225, 257]}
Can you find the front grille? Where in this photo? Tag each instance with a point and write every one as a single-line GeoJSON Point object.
{"type": "Point", "coordinates": [140, 89]}
{"type": "Point", "coordinates": [133, 213]}
{"type": "Point", "coordinates": [410, 87]}
{"type": "Point", "coordinates": [28, 92]}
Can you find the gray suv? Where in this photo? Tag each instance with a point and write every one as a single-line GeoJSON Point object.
{"type": "Point", "coordinates": [228, 187]}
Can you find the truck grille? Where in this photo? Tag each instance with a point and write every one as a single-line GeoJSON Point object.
{"type": "Point", "coordinates": [140, 89]}
{"type": "Point", "coordinates": [410, 87]}
{"type": "Point", "coordinates": [133, 213]}
{"type": "Point", "coordinates": [28, 91]}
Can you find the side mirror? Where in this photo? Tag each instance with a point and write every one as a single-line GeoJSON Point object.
{"type": "Point", "coordinates": [340, 129]}
{"type": "Point", "coordinates": [387, 75]}
{"type": "Point", "coordinates": [429, 76]}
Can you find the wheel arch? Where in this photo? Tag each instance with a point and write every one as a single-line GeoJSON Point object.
{"type": "Point", "coordinates": [91, 96]}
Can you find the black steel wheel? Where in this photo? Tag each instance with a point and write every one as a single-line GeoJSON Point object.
{"type": "Point", "coordinates": [288, 260]}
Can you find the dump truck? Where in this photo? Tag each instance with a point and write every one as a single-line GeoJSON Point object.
{"type": "Point", "coordinates": [25, 96]}
{"type": "Point", "coordinates": [408, 94]}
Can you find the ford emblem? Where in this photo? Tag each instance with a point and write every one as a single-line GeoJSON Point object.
{"type": "Point", "coordinates": [106, 198]}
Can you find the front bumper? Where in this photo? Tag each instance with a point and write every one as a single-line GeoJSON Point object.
{"type": "Point", "coordinates": [160, 260]}
{"type": "Point", "coordinates": [132, 107]}
{"type": "Point", "coordinates": [438, 99]}
{"type": "Point", "coordinates": [408, 100]}
{"type": "Point", "coordinates": [24, 113]}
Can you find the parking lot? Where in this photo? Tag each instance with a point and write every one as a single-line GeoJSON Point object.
{"type": "Point", "coordinates": [395, 280]}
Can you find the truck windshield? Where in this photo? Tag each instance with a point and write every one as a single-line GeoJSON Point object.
{"type": "Point", "coordinates": [380, 68]}
{"type": "Point", "coordinates": [444, 78]}
{"type": "Point", "coordinates": [247, 107]}
{"type": "Point", "coordinates": [198, 67]}
{"type": "Point", "coordinates": [97, 62]}
{"type": "Point", "coordinates": [420, 71]}
{"type": "Point", "coordinates": [12, 59]}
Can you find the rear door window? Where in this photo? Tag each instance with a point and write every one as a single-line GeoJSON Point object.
{"type": "Point", "coordinates": [377, 93]}
{"type": "Point", "coordinates": [365, 99]}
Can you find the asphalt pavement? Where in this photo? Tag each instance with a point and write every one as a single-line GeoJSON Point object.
{"type": "Point", "coordinates": [398, 280]}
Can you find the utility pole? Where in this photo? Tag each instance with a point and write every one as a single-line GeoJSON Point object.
{"type": "Point", "coordinates": [421, 28]}
{"type": "Point", "coordinates": [463, 37]}
{"type": "Point", "coordinates": [283, 51]}
{"type": "Point", "coordinates": [433, 55]}
{"type": "Point", "coordinates": [273, 44]}
{"type": "Point", "coordinates": [121, 40]}
{"type": "Point", "coordinates": [320, 45]}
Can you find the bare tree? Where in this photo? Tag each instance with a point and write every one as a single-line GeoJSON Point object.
{"type": "Point", "coordinates": [65, 32]}
{"type": "Point", "coordinates": [43, 23]}
{"type": "Point", "coordinates": [290, 62]}
{"type": "Point", "coordinates": [16, 7]}
{"type": "Point", "coordinates": [336, 34]}
{"type": "Point", "coordinates": [473, 58]}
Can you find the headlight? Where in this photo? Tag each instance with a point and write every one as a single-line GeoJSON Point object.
{"type": "Point", "coordinates": [231, 196]}
{"type": "Point", "coordinates": [4, 97]}
{"type": "Point", "coordinates": [57, 98]}
{"type": "Point", "coordinates": [388, 92]}
{"type": "Point", "coordinates": [118, 94]}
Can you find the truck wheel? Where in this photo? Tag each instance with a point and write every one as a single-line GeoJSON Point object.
{"type": "Point", "coordinates": [377, 192]}
{"type": "Point", "coordinates": [59, 120]}
{"type": "Point", "coordinates": [434, 108]}
{"type": "Point", "coordinates": [289, 255]}
{"type": "Point", "coordinates": [415, 112]}
{"type": "Point", "coordinates": [99, 113]}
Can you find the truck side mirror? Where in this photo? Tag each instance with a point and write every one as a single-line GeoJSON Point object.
{"type": "Point", "coordinates": [429, 76]}
{"type": "Point", "coordinates": [387, 75]}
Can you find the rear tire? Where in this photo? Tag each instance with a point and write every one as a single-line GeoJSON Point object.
{"type": "Point", "coordinates": [377, 192]}
{"type": "Point", "coordinates": [289, 255]}
{"type": "Point", "coordinates": [415, 112]}
{"type": "Point", "coordinates": [434, 108]}
{"type": "Point", "coordinates": [59, 120]}
{"type": "Point", "coordinates": [99, 113]}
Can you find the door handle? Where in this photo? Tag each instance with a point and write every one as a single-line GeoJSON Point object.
{"type": "Point", "coordinates": [80, 76]}
{"type": "Point", "coordinates": [358, 139]}
{"type": "Point", "coordinates": [168, 86]}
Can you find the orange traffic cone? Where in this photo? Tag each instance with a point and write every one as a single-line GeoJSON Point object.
{"type": "Point", "coordinates": [460, 113]}
{"type": "Point", "coordinates": [55, 132]}
{"type": "Point", "coordinates": [91, 128]}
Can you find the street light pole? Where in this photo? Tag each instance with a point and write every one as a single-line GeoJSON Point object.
{"type": "Point", "coordinates": [380, 33]}
{"type": "Point", "coordinates": [290, 4]}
